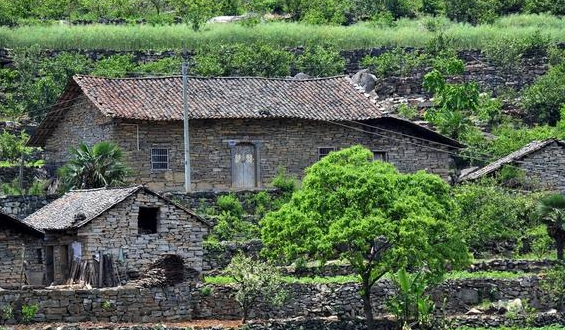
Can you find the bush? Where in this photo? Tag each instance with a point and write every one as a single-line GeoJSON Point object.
{"type": "Point", "coordinates": [472, 11]}
{"type": "Point", "coordinates": [397, 62]}
{"type": "Point", "coordinates": [539, 242]}
{"type": "Point", "coordinates": [258, 59]}
{"type": "Point", "coordinates": [115, 66]}
{"type": "Point", "coordinates": [165, 66]}
{"type": "Point", "coordinates": [320, 61]}
{"type": "Point", "coordinates": [491, 215]}
{"type": "Point", "coordinates": [407, 111]}
{"type": "Point", "coordinates": [231, 225]}
{"type": "Point", "coordinates": [544, 98]}
{"type": "Point", "coordinates": [29, 312]}
{"type": "Point", "coordinates": [229, 203]}
{"type": "Point", "coordinates": [285, 183]}
{"type": "Point", "coordinates": [554, 283]}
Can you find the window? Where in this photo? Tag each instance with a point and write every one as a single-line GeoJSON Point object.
{"type": "Point", "coordinates": [324, 151]}
{"type": "Point", "coordinates": [147, 220]}
{"type": "Point", "coordinates": [159, 159]}
{"type": "Point", "coordinates": [380, 155]}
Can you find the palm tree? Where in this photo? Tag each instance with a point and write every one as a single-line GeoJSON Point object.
{"type": "Point", "coordinates": [551, 211]}
{"type": "Point", "coordinates": [94, 167]}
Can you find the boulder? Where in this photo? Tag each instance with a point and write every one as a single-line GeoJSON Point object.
{"type": "Point", "coordinates": [365, 80]}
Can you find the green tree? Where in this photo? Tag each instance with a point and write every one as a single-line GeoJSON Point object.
{"type": "Point", "coordinates": [320, 61]}
{"type": "Point", "coordinates": [551, 211]}
{"type": "Point", "coordinates": [370, 215]}
{"type": "Point", "coordinates": [255, 281]}
{"type": "Point", "coordinates": [94, 167]}
{"type": "Point", "coordinates": [115, 66]}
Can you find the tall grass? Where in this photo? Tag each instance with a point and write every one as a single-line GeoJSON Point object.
{"type": "Point", "coordinates": [144, 37]}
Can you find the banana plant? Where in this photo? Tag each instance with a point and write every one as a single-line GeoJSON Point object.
{"type": "Point", "coordinates": [412, 306]}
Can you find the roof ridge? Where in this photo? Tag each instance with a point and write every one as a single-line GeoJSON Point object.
{"type": "Point", "coordinates": [290, 79]}
{"type": "Point", "coordinates": [106, 188]}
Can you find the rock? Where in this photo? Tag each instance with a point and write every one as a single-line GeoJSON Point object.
{"type": "Point", "coordinates": [365, 80]}
{"type": "Point", "coordinates": [474, 311]}
{"type": "Point", "coordinates": [301, 76]}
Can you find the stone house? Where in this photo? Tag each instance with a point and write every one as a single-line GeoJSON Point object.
{"type": "Point", "coordinates": [542, 162]}
{"type": "Point", "coordinates": [21, 253]}
{"type": "Point", "coordinates": [242, 130]}
{"type": "Point", "coordinates": [134, 226]}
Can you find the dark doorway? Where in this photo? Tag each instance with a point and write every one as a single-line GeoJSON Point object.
{"type": "Point", "coordinates": [49, 265]}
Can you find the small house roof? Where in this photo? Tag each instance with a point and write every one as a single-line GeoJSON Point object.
{"type": "Point", "coordinates": [509, 159]}
{"type": "Point", "coordinates": [78, 207]}
{"type": "Point", "coordinates": [7, 221]}
{"type": "Point", "coordinates": [160, 99]}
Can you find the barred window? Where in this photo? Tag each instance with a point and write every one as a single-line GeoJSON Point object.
{"type": "Point", "coordinates": [380, 155]}
{"type": "Point", "coordinates": [324, 151]}
{"type": "Point", "coordinates": [159, 159]}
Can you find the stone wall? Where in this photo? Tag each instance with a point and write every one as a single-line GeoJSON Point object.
{"type": "Point", "coordinates": [20, 207]}
{"type": "Point", "coordinates": [121, 304]}
{"type": "Point", "coordinates": [546, 166]}
{"type": "Point", "coordinates": [344, 301]}
{"type": "Point", "coordinates": [292, 144]}
{"type": "Point", "coordinates": [15, 244]}
{"type": "Point", "coordinates": [340, 301]}
{"type": "Point", "coordinates": [30, 174]}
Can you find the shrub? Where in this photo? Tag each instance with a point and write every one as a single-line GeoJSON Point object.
{"type": "Point", "coordinates": [490, 214]}
{"type": "Point", "coordinates": [258, 59]}
{"type": "Point", "coordinates": [472, 11]}
{"type": "Point", "coordinates": [538, 241]}
{"type": "Point", "coordinates": [229, 203]}
{"type": "Point", "coordinates": [411, 305]}
{"type": "Point", "coordinates": [325, 11]}
{"type": "Point", "coordinates": [115, 66]}
{"type": "Point", "coordinates": [29, 312]}
{"type": "Point", "coordinates": [544, 98]}
{"type": "Point", "coordinates": [320, 61]}
{"type": "Point", "coordinates": [231, 225]}
{"type": "Point", "coordinates": [285, 183]}
{"type": "Point", "coordinates": [397, 62]}
{"type": "Point", "coordinates": [554, 283]}
{"type": "Point", "coordinates": [169, 65]}
{"type": "Point", "coordinates": [407, 111]}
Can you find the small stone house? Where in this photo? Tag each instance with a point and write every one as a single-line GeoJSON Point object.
{"type": "Point", "coordinates": [21, 253]}
{"type": "Point", "coordinates": [242, 130]}
{"type": "Point", "coordinates": [134, 226]}
{"type": "Point", "coordinates": [542, 162]}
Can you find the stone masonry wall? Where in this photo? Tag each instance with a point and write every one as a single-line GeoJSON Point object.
{"type": "Point", "coordinates": [341, 301]}
{"type": "Point", "coordinates": [121, 304]}
{"type": "Point", "coordinates": [20, 207]}
{"type": "Point", "coordinates": [344, 301]}
{"type": "Point", "coordinates": [547, 166]}
{"type": "Point", "coordinates": [177, 233]}
{"type": "Point", "coordinates": [292, 144]}
{"type": "Point", "coordinates": [81, 123]}
{"type": "Point", "coordinates": [12, 244]}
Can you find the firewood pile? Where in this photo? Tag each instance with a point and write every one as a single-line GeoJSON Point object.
{"type": "Point", "coordinates": [168, 270]}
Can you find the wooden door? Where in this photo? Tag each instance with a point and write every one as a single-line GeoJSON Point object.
{"type": "Point", "coordinates": [244, 166]}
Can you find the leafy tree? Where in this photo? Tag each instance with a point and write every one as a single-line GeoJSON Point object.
{"type": "Point", "coordinates": [168, 65]}
{"type": "Point", "coordinates": [320, 61]}
{"type": "Point", "coordinates": [551, 211]}
{"type": "Point", "coordinates": [397, 62]}
{"type": "Point", "coordinates": [255, 280]}
{"type": "Point", "coordinates": [472, 11]}
{"type": "Point", "coordinates": [367, 213]}
{"type": "Point", "coordinates": [94, 167]}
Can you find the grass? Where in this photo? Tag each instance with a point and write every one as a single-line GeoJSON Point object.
{"type": "Point", "coordinates": [362, 35]}
{"type": "Point", "coordinates": [551, 327]}
{"type": "Point", "coordinates": [457, 275]}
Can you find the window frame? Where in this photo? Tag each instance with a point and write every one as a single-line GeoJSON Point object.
{"type": "Point", "coordinates": [383, 152]}
{"type": "Point", "coordinates": [320, 156]}
{"type": "Point", "coordinates": [153, 162]}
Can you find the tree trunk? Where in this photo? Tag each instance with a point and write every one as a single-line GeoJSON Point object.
{"type": "Point", "coordinates": [367, 305]}
{"type": "Point", "coordinates": [245, 315]}
{"type": "Point", "coordinates": [559, 240]}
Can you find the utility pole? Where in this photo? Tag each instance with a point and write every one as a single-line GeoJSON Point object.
{"type": "Point", "coordinates": [186, 129]}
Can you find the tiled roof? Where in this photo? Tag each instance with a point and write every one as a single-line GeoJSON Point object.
{"type": "Point", "coordinates": [9, 221]}
{"type": "Point", "coordinates": [509, 159]}
{"type": "Point", "coordinates": [237, 97]}
{"type": "Point", "coordinates": [78, 207]}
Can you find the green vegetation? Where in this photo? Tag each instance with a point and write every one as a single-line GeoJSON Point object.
{"type": "Point", "coordinates": [29, 312]}
{"type": "Point", "coordinates": [230, 225]}
{"type": "Point", "coordinates": [551, 212]}
{"type": "Point", "coordinates": [499, 275]}
{"type": "Point", "coordinates": [370, 215]}
{"type": "Point", "coordinates": [97, 166]}
{"type": "Point", "coordinates": [412, 306]}
{"type": "Point", "coordinates": [551, 327]}
{"type": "Point", "coordinates": [554, 283]}
{"type": "Point", "coordinates": [254, 280]}
{"type": "Point", "coordinates": [405, 32]}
